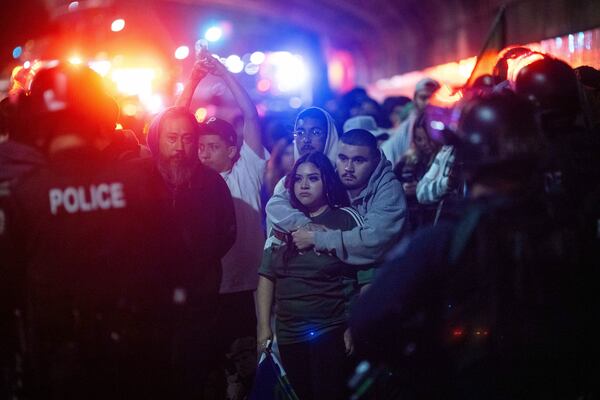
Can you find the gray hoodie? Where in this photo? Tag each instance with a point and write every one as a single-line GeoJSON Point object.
{"type": "Point", "coordinates": [280, 214]}
{"type": "Point", "coordinates": [383, 206]}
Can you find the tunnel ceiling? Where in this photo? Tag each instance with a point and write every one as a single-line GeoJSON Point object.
{"type": "Point", "coordinates": [393, 36]}
{"type": "Point", "coordinates": [402, 35]}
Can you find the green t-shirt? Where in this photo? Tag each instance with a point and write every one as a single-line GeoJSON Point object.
{"type": "Point", "coordinates": [313, 290]}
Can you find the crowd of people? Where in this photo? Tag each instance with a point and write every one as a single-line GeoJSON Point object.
{"type": "Point", "coordinates": [454, 246]}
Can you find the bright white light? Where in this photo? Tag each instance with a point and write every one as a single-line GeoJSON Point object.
{"type": "Point", "coordinates": [129, 109]}
{"type": "Point", "coordinates": [251, 69]}
{"type": "Point", "coordinates": [75, 60]}
{"type": "Point", "coordinates": [257, 57]}
{"type": "Point", "coordinates": [291, 73]}
{"type": "Point", "coordinates": [74, 5]}
{"type": "Point", "coordinates": [154, 103]}
{"type": "Point", "coordinates": [213, 34]}
{"type": "Point", "coordinates": [102, 67]}
{"type": "Point", "coordinates": [27, 64]}
{"type": "Point", "coordinates": [117, 25]}
{"type": "Point", "coordinates": [201, 114]}
{"type": "Point", "coordinates": [234, 64]}
{"type": "Point", "coordinates": [134, 81]}
{"type": "Point", "coordinates": [51, 63]}
{"type": "Point", "coordinates": [182, 52]}
{"type": "Point", "coordinates": [437, 125]}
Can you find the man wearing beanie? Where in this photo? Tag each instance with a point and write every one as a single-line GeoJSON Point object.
{"type": "Point", "coordinates": [201, 209]}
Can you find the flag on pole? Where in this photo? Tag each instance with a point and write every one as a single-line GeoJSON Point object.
{"type": "Point", "coordinates": [494, 43]}
{"type": "Point", "coordinates": [270, 381]}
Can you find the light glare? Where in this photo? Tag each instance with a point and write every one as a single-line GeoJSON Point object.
{"type": "Point", "coordinates": [295, 102]}
{"type": "Point", "coordinates": [182, 52]}
{"type": "Point", "coordinates": [201, 114]}
{"type": "Point", "coordinates": [251, 69]}
{"type": "Point", "coordinates": [291, 73]}
{"type": "Point", "coordinates": [17, 51]}
{"type": "Point", "coordinates": [102, 67]}
{"type": "Point", "coordinates": [234, 64]}
{"type": "Point", "coordinates": [213, 34]}
{"type": "Point", "coordinates": [117, 25]}
{"type": "Point", "coordinates": [75, 60]}
{"type": "Point", "coordinates": [134, 81]}
{"type": "Point", "coordinates": [258, 57]}
{"type": "Point", "coordinates": [263, 85]}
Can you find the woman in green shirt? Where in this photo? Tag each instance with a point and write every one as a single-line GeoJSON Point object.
{"type": "Point", "coordinates": [312, 291]}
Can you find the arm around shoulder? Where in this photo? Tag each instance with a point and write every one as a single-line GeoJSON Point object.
{"type": "Point", "coordinates": [368, 244]}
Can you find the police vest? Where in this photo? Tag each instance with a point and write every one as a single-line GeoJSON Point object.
{"type": "Point", "coordinates": [77, 199]}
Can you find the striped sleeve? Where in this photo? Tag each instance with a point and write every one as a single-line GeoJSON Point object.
{"type": "Point", "coordinates": [434, 185]}
{"type": "Point", "coordinates": [363, 275]}
{"type": "Point", "coordinates": [358, 219]}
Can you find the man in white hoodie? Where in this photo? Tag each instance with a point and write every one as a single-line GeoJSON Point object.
{"type": "Point", "coordinates": [314, 130]}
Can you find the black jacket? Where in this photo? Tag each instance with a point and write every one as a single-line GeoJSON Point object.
{"type": "Point", "coordinates": [99, 252]}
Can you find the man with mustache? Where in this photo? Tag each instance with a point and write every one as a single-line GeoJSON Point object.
{"type": "Point", "coordinates": [374, 192]}
{"type": "Point", "coordinates": [201, 210]}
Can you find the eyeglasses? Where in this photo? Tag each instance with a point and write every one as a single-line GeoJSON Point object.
{"type": "Point", "coordinates": [314, 133]}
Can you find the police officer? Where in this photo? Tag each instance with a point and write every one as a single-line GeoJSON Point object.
{"type": "Point", "coordinates": [94, 284]}
{"type": "Point", "coordinates": [571, 163]}
{"type": "Point", "coordinates": [489, 305]}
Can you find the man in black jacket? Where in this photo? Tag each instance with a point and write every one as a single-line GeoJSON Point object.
{"type": "Point", "coordinates": [201, 209]}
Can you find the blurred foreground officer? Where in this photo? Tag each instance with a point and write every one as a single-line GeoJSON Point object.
{"type": "Point", "coordinates": [493, 305]}
{"type": "Point", "coordinates": [87, 271]}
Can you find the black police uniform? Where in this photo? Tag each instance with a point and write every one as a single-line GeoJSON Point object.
{"type": "Point", "coordinates": [91, 257]}
{"type": "Point", "coordinates": [491, 305]}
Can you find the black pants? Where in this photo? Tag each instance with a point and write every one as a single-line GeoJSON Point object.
{"type": "Point", "coordinates": [319, 368]}
{"type": "Point", "coordinates": [237, 318]}
{"type": "Point", "coordinates": [235, 343]}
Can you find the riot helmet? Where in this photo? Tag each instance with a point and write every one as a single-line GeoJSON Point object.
{"type": "Point", "coordinates": [498, 134]}
{"type": "Point", "coordinates": [68, 96]}
{"type": "Point", "coordinates": [551, 85]}
{"type": "Point", "coordinates": [500, 72]}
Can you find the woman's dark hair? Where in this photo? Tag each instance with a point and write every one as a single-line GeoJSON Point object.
{"type": "Point", "coordinates": [334, 191]}
{"type": "Point", "coordinates": [421, 122]}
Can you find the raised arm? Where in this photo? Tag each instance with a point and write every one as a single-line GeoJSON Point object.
{"type": "Point", "coordinates": [199, 72]}
{"type": "Point", "coordinates": [251, 131]}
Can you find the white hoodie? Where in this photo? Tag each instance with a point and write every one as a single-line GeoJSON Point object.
{"type": "Point", "coordinates": [280, 213]}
